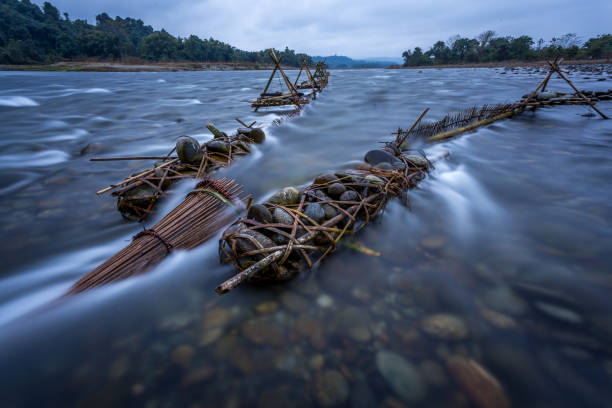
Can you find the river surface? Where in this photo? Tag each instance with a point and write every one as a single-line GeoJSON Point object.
{"type": "Point", "coordinates": [491, 289]}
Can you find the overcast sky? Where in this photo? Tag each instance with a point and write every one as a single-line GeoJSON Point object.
{"type": "Point", "coordinates": [358, 29]}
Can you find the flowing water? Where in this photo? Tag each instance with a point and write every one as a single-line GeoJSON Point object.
{"type": "Point", "coordinates": [492, 288]}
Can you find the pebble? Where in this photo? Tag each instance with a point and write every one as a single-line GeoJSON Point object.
{"type": "Point", "coordinates": [286, 196]}
{"type": "Point", "coordinates": [245, 245]}
{"type": "Point", "coordinates": [281, 216]}
{"type": "Point", "coordinates": [182, 355]}
{"type": "Point", "coordinates": [262, 332]}
{"type": "Point", "coordinates": [294, 302]}
{"type": "Point", "coordinates": [330, 212]}
{"type": "Point", "coordinates": [355, 323]}
{"type": "Point", "coordinates": [198, 375]}
{"type": "Point", "coordinates": [315, 212]}
{"type": "Point", "coordinates": [175, 322]}
{"type": "Point", "coordinates": [217, 317]}
{"type": "Point", "coordinates": [434, 242]}
{"type": "Point", "coordinates": [267, 307]}
{"type": "Point", "coordinates": [325, 301]}
{"type": "Point", "coordinates": [256, 134]}
{"type": "Point", "coordinates": [372, 179]}
{"type": "Point", "coordinates": [218, 146]}
{"type": "Point", "coordinates": [402, 376]}
{"type": "Point", "coordinates": [330, 388]}
{"type": "Point", "coordinates": [210, 336]}
{"type": "Point", "coordinates": [445, 327]}
{"type": "Point", "coordinates": [479, 385]}
{"type": "Point", "coordinates": [559, 313]}
{"type": "Point", "coordinates": [499, 320]}
{"type": "Point", "coordinates": [433, 372]}
{"type": "Point", "coordinates": [375, 157]}
{"type": "Point", "coordinates": [417, 160]}
{"type": "Point", "coordinates": [306, 326]}
{"type": "Point", "coordinates": [336, 189]}
{"type": "Point", "coordinates": [316, 362]}
{"type": "Point", "coordinates": [119, 367]}
{"type": "Point", "coordinates": [259, 212]}
{"type": "Point", "coordinates": [188, 150]}
{"type": "Point", "coordinates": [325, 178]}
{"type": "Point", "coordinates": [349, 195]}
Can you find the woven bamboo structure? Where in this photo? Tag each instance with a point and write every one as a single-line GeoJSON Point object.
{"type": "Point", "coordinates": [314, 223]}
{"type": "Point", "coordinates": [291, 96]}
{"type": "Point", "coordinates": [205, 210]}
{"type": "Point", "coordinates": [138, 194]}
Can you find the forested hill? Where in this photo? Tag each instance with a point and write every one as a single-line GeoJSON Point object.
{"type": "Point", "coordinates": [30, 35]}
{"type": "Point", "coordinates": [487, 47]}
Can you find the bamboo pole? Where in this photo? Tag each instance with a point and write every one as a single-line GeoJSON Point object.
{"type": "Point", "coordinates": [592, 104]}
{"type": "Point", "coordinates": [287, 81]}
{"type": "Point", "coordinates": [454, 132]}
{"type": "Point", "coordinates": [401, 142]}
{"type": "Point", "coordinates": [270, 79]}
{"type": "Point", "coordinates": [102, 159]}
{"type": "Point", "coordinates": [130, 179]}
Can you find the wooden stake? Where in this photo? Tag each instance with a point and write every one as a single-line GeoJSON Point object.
{"type": "Point", "coordinates": [401, 142]}
{"type": "Point", "coordinates": [454, 132]}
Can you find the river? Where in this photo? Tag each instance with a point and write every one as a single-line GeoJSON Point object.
{"type": "Point", "coordinates": [492, 287]}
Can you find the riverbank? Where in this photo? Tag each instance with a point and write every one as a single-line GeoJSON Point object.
{"type": "Point", "coordinates": [502, 64]}
{"type": "Point", "coordinates": [88, 66]}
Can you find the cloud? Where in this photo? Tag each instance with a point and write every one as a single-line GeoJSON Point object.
{"type": "Point", "coordinates": [354, 28]}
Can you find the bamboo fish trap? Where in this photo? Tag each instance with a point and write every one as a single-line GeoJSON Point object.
{"type": "Point", "coordinates": [138, 194]}
{"type": "Point", "coordinates": [199, 217]}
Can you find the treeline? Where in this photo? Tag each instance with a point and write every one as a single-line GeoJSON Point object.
{"type": "Point", "coordinates": [486, 47]}
{"type": "Point", "coordinates": [30, 35]}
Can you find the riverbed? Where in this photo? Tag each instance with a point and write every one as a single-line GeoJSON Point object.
{"type": "Point", "coordinates": [492, 287]}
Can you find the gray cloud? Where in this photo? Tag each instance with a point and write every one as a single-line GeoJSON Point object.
{"type": "Point", "coordinates": [354, 28]}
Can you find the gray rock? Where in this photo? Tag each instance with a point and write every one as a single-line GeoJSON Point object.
{"type": "Point", "coordinates": [315, 212]}
{"type": "Point", "coordinates": [402, 376]}
{"type": "Point", "coordinates": [372, 179]}
{"type": "Point", "coordinates": [384, 166]}
{"type": "Point", "coordinates": [417, 160]}
{"type": "Point", "coordinates": [256, 134]}
{"type": "Point", "coordinates": [330, 388]}
{"type": "Point", "coordinates": [259, 212]}
{"type": "Point", "coordinates": [286, 196]}
{"type": "Point", "coordinates": [336, 190]}
{"type": "Point", "coordinates": [281, 216]}
{"type": "Point", "coordinates": [375, 157]}
{"type": "Point", "coordinates": [330, 212]}
{"type": "Point", "coordinates": [544, 96]}
{"type": "Point", "coordinates": [325, 178]}
{"type": "Point", "coordinates": [245, 245]}
{"type": "Point", "coordinates": [559, 313]}
{"type": "Point", "coordinates": [188, 150]}
{"type": "Point", "coordinates": [218, 146]}
{"type": "Point", "coordinates": [349, 195]}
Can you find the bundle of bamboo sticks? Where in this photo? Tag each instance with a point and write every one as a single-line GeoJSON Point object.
{"type": "Point", "coordinates": [204, 211]}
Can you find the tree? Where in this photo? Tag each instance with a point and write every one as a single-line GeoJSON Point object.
{"type": "Point", "coordinates": [159, 46]}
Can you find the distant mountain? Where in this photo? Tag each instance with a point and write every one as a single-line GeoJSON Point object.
{"type": "Point", "coordinates": [339, 61]}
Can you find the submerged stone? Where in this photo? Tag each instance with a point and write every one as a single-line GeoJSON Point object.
{"type": "Point", "coordinates": [402, 376]}
{"type": "Point", "coordinates": [479, 384]}
{"type": "Point", "coordinates": [246, 245]}
{"type": "Point", "coordinates": [330, 388]}
{"type": "Point", "coordinates": [188, 150]}
{"type": "Point", "coordinates": [445, 326]}
{"type": "Point", "coordinates": [372, 179]}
